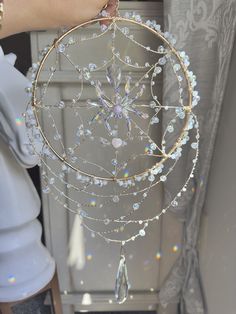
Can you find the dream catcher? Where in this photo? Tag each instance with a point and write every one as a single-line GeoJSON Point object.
{"type": "Point", "coordinates": [125, 141]}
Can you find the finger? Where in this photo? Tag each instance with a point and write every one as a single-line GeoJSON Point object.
{"type": "Point", "coordinates": [111, 9]}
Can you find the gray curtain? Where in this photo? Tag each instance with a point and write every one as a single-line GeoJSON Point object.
{"type": "Point", "coordinates": [205, 30]}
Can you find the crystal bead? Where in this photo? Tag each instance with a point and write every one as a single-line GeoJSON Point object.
{"type": "Point", "coordinates": [125, 30]}
{"type": "Point", "coordinates": [151, 178]}
{"type": "Point", "coordinates": [127, 59]}
{"type": "Point", "coordinates": [114, 162]}
{"type": "Point", "coordinates": [170, 128]}
{"type": "Point", "coordinates": [61, 48]}
{"type": "Point", "coordinates": [154, 120]}
{"type": "Point", "coordinates": [103, 28]}
{"type": "Point", "coordinates": [161, 49]}
{"type": "Point", "coordinates": [174, 203]}
{"type": "Point", "coordinates": [57, 137]}
{"type": "Point", "coordinates": [127, 85]}
{"type": "Point", "coordinates": [194, 145]}
{"type": "Point", "coordinates": [51, 181]}
{"type": "Point", "coordinates": [163, 178]}
{"type": "Point", "coordinates": [116, 142]}
{"type": "Point", "coordinates": [176, 67]}
{"type": "Point", "coordinates": [142, 232]}
{"type": "Point", "coordinates": [82, 213]}
{"type": "Point", "coordinates": [153, 146]}
{"type": "Point", "coordinates": [136, 206]}
{"type": "Point", "coordinates": [115, 198]}
{"type": "Point", "coordinates": [71, 41]}
{"type": "Point", "coordinates": [61, 104]}
{"type": "Point", "coordinates": [106, 221]}
{"type": "Point", "coordinates": [162, 61]}
{"type": "Point", "coordinates": [86, 74]}
{"type": "Point", "coordinates": [46, 189]}
{"type": "Point", "coordinates": [157, 70]}
{"type": "Point", "coordinates": [92, 66]}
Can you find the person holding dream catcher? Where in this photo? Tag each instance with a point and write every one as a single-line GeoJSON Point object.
{"type": "Point", "coordinates": [124, 117]}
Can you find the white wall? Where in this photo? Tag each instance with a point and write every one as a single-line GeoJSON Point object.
{"type": "Point", "coordinates": [218, 235]}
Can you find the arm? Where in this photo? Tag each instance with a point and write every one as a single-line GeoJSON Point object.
{"type": "Point", "coordinates": [27, 15]}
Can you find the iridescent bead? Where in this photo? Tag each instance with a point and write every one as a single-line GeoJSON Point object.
{"type": "Point", "coordinates": [125, 30]}
{"type": "Point", "coordinates": [154, 120]}
{"type": "Point", "coordinates": [176, 67]}
{"type": "Point", "coordinates": [46, 189]}
{"type": "Point", "coordinates": [92, 66]}
{"type": "Point", "coordinates": [152, 104]}
{"type": "Point", "coordinates": [57, 137]}
{"type": "Point", "coordinates": [157, 70]}
{"type": "Point", "coordinates": [151, 178]}
{"type": "Point", "coordinates": [51, 181]}
{"type": "Point", "coordinates": [115, 198]}
{"type": "Point", "coordinates": [194, 145]}
{"type": "Point", "coordinates": [153, 146]}
{"type": "Point", "coordinates": [174, 203]}
{"type": "Point", "coordinates": [170, 128]}
{"type": "Point", "coordinates": [127, 59]}
{"type": "Point", "coordinates": [61, 104]}
{"type": "Point", "coordinates": [61, 48]}
{"type": "Point", "coordinates": [142, 232]}
{"type": "Point", "coordinates": [107, 221]}
{"type": "Point", "coordinates": [161, 49]}
{"type": "Point", "coordinates": [71, 41]}
{"type": "Point", "coordinates": [162, 61]}
{"type": "Point", "coordinates": [163, 178]}
{"type": "Point", "coordinates": [136, 206]}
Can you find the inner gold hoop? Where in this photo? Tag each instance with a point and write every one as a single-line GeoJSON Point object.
{"type": "Point", "coordinates": [188, 108]}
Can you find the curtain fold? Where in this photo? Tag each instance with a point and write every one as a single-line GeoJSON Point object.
{"type": "Point", "coordinates": [205, 30]}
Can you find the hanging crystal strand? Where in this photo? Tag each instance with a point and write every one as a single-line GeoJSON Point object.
{"type": "Point", "coordinates": [122, 281]}
{"type": "Point", "coordinates": [117, 13]}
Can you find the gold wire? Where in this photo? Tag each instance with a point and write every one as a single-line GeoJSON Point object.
{"type": "Point", "coordinates": [188, 108]}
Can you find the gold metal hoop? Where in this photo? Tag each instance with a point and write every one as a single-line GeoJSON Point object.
{"type": "Point", "coordinates": [188, 108]}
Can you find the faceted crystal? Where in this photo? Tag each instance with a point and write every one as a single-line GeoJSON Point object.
{"type": "Point", "coordinates": [122, 283]}
{"type": "Point", "coordinates": [114, 75]}
{"type": "Point", "coordinates": [162, 61]}
{"type": "Point", "coordinates": [115, 198]}
{"type": "Point", "coordinates": [127, 85]}
{"type": "Point", "coordinates": [61, 48]}
{"type": "Point", "coordinates": [142, 232]}
{"type": "Point", "coordinates": [127, 59]}
{"type": "Point", "coordinates": [116, 142]}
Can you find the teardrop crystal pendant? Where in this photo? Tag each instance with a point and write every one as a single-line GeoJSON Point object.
{"type": "Point", "coordinates": [122, 282]}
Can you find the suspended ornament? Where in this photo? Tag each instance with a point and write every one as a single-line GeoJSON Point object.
{"type": "Point", "coordinates": [113, 155]}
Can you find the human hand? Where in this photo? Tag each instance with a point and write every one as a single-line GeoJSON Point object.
{"type": "Point", "coordinates": [74, 12]}
{"type": "Point", "coordinates": [25, 15]}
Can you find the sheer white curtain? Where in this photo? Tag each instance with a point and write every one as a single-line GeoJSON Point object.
{"type": "Point", "coordinates": [205, 29]}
